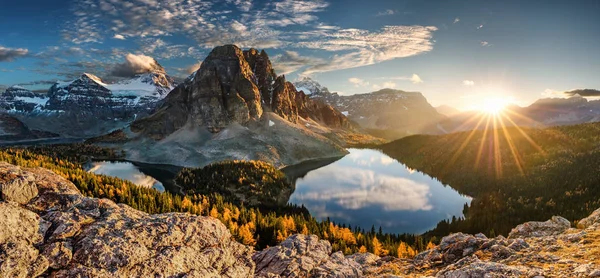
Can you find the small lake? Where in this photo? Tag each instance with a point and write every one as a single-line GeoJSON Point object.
{"type": "Point", "coordinates": [367, 187]}
{"type": "Point", "coordinates": [125, 170]}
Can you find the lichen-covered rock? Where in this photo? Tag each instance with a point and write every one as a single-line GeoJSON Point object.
{"type": "Point", "coordinates": [18, 187]}
{"type": "Point", "coordinates": [20, 231]}
{"type": "Point", "coordinates": [554, 226]}
{"type": "Point", "coordinates": [304, 256]}
{"type": "Point", "coordinates": [63, 234]}
{"type": "Point", "coordinates": [593, 219]}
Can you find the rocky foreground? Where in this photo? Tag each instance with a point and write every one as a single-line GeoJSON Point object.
{"type": "Point", "coordinates": [48, 229]}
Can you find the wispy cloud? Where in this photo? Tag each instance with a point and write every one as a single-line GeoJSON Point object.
{"type": "Point", "coordinates": [587, 93]}
{"type": "Point", "coordinates": [480, 26]}
{"type": "Point", "coordinates": [485, 43]}
{"type": "Point", "coordinates": [213, 23]}
{"type": "Point", "coordinates": [387, 12]}
{"type": "Point", "coordinates": [357, 82]}
{"type": "Point", "coordinates": [119, 37]}
{"type": "Point", "coordinates": [468, 82]}
{"type": "Point", "coordinates": [10, 54]}
{"type": "Point", "coordinates": [414, 78]}
{"type": "Point", "coordinates": [291, 61]}
{"type": "Point", "coordinates": [361, 47]}
{"type": "Point", "coordinates": [456, 20]}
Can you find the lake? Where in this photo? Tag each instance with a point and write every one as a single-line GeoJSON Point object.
{"type": "Point", "coordinates": [127, 171]}
{"type": "Point", "coordinates": [367, 187]}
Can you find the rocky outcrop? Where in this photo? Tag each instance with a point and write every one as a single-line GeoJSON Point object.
{"type": "Point", "coordinates": [554, 226]}
{"type": "Point", "coordinates": [304, 256]}
{"type": "Point", "coordinates": [60, 233]}
{"type": "Point", "coordinates": [54, 231]}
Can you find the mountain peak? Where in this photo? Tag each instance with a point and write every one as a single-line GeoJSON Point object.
{"type": "Point", "coordinates": [311, 87]}
{"type": "Point", "coordinates": [95, 78]}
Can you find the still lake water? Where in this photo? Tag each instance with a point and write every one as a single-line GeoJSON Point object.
{"type": "Point", "coordinates": [367, 187]}
{"type": "Point", "coordinates": [125, 170]}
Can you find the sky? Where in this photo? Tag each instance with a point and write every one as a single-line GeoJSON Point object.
{"type": "Point", "coordinates": [458, 53]}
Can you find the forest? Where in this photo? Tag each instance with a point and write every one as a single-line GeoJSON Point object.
{"type": "Point", "coordinates": [250, 225]}
{"type": "Point", "coordinates": [252, 183]}
{"type": "Point", "coordinates": [514, 174]}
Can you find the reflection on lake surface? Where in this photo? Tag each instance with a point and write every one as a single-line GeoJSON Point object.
{"type": "Point", "coordinates": [126, 171]}
{"type": "Point", "coordinates": [367, 188]}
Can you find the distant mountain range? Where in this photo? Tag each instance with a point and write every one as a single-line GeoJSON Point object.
{"type": "Point", "coordinates": [386, 113]}
{"type": "Point", "coordinates": [87, 106]}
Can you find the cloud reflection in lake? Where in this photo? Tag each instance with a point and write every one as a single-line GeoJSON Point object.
{"type": "Point", "coordinates": [369, 188]}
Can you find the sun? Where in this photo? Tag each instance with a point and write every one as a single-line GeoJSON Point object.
{"type": "Point", "coordinates": [493, 106]}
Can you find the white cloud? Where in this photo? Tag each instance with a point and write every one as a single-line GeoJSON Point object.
{"type": "Point", "coordinates": [468, 82]}
{"type": "Point", "coordinates": [480, 26]}
{"type": "Point", "coordinates": [291, 61]}
{"type": "Point", "coordinates": [456, 20]}
{"type": "Point", "coordinates": [193, 68]}
{"type": "Point", "coordinates": [484, 43]}
{"type": "Point", "coordinates": [10, 54]}
{"type": "Point", "coordinates": [118, 37]}
{"type": "Point", "coordinates": [358, 82]}
{"type": "Point", "coordinates": [362, 47]}
{"type": "Point", "coordinates": [416, 79]}
{"type": "Point", "coordinates": [389, 84]}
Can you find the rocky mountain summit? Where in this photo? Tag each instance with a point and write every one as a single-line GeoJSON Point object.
{"type": "Point", "coordinates": [236, 107]}
{"type": "Point", "coordinates": [48, 229]}
{"type": "Point", "coordinates": [87, 106]}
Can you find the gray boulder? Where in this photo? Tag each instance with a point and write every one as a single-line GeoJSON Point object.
{"type": "Point", "coordinates": [304, 256]}
{"type": "Point", "coordinates": [556, 225]}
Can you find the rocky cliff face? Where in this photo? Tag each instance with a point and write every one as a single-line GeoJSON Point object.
{"type": "Point", "coordinates": [87, 106]}
{"type": "Point", "coordinates": [48, 229]}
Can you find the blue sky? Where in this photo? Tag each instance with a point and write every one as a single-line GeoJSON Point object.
{"type": "Point", "coordinates": [454, 52]}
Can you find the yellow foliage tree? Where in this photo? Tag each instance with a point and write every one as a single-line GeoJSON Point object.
{"type": "Point", "coordinates": [378, 248]}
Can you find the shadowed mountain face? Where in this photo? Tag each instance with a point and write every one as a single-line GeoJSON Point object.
{"type": "Point", "coordinates": [11, 129]}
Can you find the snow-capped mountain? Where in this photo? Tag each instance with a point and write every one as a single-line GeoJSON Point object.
{"type": "Point", "coordinates": [87, 106]}
{"type": "Point", "coordinates": [311, 87]}
{"type": "Point", "coordinates": [17, 98]}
